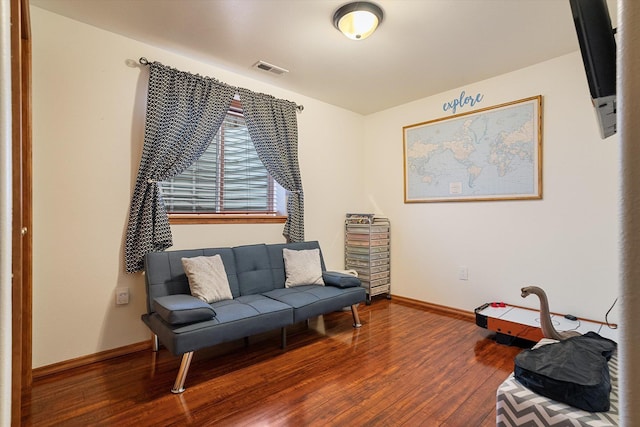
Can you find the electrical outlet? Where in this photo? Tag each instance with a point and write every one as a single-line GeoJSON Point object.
{"type": "Point", "coordinates": [122, 296]}
{"type": "Point", "coordinates": [463, 273]}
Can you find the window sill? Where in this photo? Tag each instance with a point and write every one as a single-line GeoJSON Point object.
{"type": "Point", "coordinates": [175, 219]}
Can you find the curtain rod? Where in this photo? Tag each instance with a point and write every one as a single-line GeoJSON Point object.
{"type": "Point", "coordinates": [144, 61]}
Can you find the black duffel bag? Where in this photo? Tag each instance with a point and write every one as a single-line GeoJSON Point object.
{"type": "Point", "coordinates": [574, 371]}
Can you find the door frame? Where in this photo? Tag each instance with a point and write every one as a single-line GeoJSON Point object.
{"type": "Point", "coordinates": [22, 213]}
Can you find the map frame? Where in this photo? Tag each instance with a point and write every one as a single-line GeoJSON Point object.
{"type": "Point", "coordinates": [410, 133]}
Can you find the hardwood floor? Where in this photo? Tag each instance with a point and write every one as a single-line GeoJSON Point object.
{"type": "Point", "coordinates": [405, 366]}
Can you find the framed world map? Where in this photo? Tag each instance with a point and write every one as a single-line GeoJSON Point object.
{"type": "Point", "coordinates": [494, 153]}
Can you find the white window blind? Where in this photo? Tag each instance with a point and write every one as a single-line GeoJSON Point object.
{"type": "Point", "coordinates": [228, 178]}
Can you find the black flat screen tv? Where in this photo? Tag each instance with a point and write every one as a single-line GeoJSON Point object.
{"type": "Point", "coordinates": [598, 49]}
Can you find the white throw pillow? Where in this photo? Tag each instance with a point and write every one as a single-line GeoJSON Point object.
{"type": "Point", "coordinates": [302, 267]}
{"type": "Point", "coordinates": [207, 278]}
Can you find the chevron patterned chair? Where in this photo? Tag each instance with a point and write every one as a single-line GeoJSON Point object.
{"type": "Point", "coordinates": [516, 405]}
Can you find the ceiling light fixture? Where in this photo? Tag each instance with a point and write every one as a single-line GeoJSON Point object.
{"type": "Point", "coordinates": [358, 20]}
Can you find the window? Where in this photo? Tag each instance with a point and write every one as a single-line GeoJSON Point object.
{"type": "Point", "coordinates": [227, 180]}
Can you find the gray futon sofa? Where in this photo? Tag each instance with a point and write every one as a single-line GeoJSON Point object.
{"type": "Point", "coordinates": [260, 301]}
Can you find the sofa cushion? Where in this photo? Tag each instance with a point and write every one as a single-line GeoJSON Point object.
{"type": "Point", "coordinates": [180, 309]}
{"type": "Point", "coordinates": [340, 280]}
{"type": "Point", "coordinates": [253, 269]}
{"type": "Point", "coordinates": [247, 306]}
{"type": "Point", "coordinates": [237, 318]}
{"type": "Point", "coordinates": [302, 267]}
{"type": "Point", "coordinates": [314, 300]}
{"type": "Point", "coordinates": [207, 278]}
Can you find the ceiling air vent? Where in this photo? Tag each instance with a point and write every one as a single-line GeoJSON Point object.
{"type": "Point", "coordinates": [265, 66]}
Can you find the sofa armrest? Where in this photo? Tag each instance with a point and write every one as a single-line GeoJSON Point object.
{"type": "Point", "coordinates": [180, 308]}
{"type": "Point", "coordinates": [340, 280]}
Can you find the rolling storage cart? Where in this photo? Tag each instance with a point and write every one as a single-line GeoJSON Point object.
{"type": "Point", "coordinates": [367, 251]}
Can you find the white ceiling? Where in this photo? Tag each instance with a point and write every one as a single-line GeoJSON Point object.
{"type": "Point", "coordinates": [423, 47]}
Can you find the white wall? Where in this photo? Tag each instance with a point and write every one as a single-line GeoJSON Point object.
{"type": "Point", "coordinates": [566, 243]}
{"type": "Point", "coordinates": [88, 120]}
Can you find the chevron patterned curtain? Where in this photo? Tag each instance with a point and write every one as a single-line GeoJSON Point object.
{"type": "Point", "coordinates": [273, 127]}
{"type": "Point", "coordinates": [184, 112]}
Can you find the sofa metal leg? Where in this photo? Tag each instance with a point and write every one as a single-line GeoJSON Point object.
{"type": "Point", "coordinates": [178, 386]}
{"type": "Point", "coordinates": [283, 338]}
{"type": "Point", "coordinates": [356, 318]}
{"type": "Point", "coordinates": [155, 344]}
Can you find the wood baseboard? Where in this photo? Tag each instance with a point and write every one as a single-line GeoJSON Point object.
{"type": "Point", "coordinates": [89, 359]}
{"type": "Point", "coordinates": [442, 309]}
